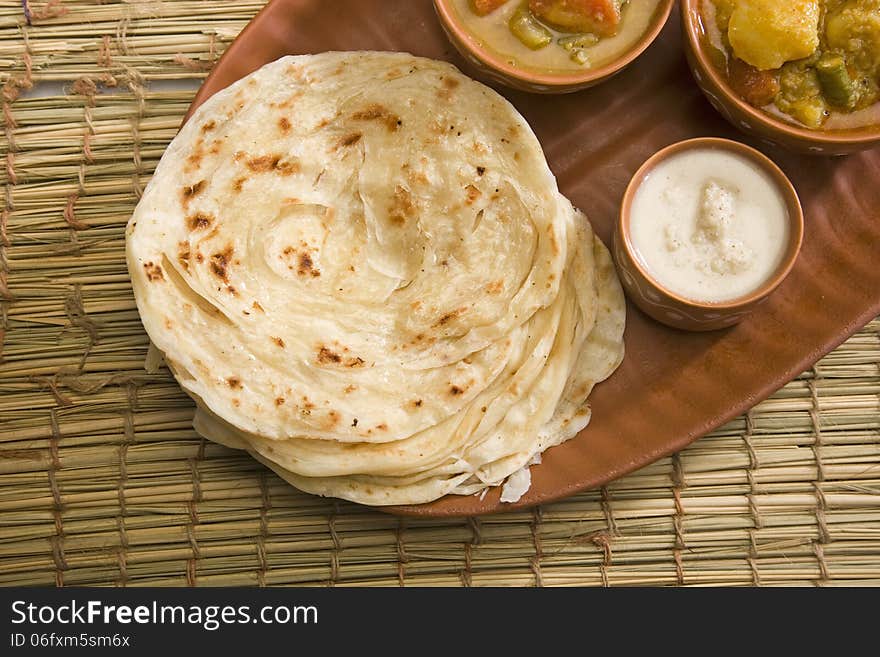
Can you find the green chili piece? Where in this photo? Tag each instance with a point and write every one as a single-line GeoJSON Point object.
{"type": "Point", "coordinates": [839, 88]}
{"type": "Point", "coordinates": [579, 56]}
{"type": "Point", "coordinates": [576, 46]}
{"type": "Point", "coordinates": [528, 30]}
{"type": "Point", "coordinates": [578, 41]}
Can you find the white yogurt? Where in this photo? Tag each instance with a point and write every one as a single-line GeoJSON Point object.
{"type": "Point", "coordinates": [709, 225]}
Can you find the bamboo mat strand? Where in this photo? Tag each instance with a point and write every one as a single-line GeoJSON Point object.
{"type": "Point", "coordinates": [104, 482]}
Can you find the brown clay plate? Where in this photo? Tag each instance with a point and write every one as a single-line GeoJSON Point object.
{"type": "Point", "coordinates": [673, 386]}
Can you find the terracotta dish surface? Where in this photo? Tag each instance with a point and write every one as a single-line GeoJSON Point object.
{"type": "Point", "coordinates": [497, 68]}
{"type": "Point", "coordinates": [673, 386]}
{"type": "Point", "coordinates": [666, 306]}
{"type": "Point", "coordinates": [753, 120]}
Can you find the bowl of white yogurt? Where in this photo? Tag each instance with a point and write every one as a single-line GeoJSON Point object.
{"type": "Point", "coordinates": [708, 228]}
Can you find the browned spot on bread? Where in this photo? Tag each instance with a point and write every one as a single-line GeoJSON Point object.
{"type": "Point", "coordinates": [306, 266]}
{"type": "Point", "coordinates": [416, 403]}
{"type": "Point", "coordinates": [194, 160]}
{"type": "Point", "coordinates": [278, 341]}
{"type": "Point", "coordinates": [483, 409]}
{"type": "Point", "coordinates": [199, 257]}
{"type": "Point", "coordinates": [402, 207]}
{"type": "Point", "coordinates": [256, 306]}
{"type": "Point", "coordinates": [354, 422]}
{"type": "Point", "coordinates": [288, 168]}
{"type": "Point", "coordinates": [279, 401]}
{"type": "Point", "coordinates": [348, 390]}
{"type": "Point", "coordinates": [448, 317]}
{"type": "Point", "coordinates": [220, 263]}
{"type": "Point", "coordinates": [583, 390]}
{"type": "Point", "coordinates": [449, 85]}
{"type": "Point", "coordinates": [168, 324]}
{"type": "Point", "coordinates": [153, 272]}
{"type": "Point", "coordinates": [199, 221]}
{"type": "Point", "coordinates": [349, 140]}
{"type": "Point", "coordinates": [382, 427]}
{"type": "Point", "coordinates": [284, 124]}
{"type": "Point", "coordinates": [238, 183]}
{"type": "Point", "coordinates": [183, 254]}
{"type": "Point", "coordinates": [190, 191]}
{"type": "Point", "coordinates": [233, 382]}
{"type": "Point", "coordinates": [327, 356]}
{"type": "Point", "coordinates": [472, 194]}
{"type": "Point", "coordinates": [231, 289]}
{"type": "Point", "coordinates": [210, 125]}
{"type": "Point", "coordinates": [455, 390]}
{"type": "Point", "coordinates": [236, 403]}
{"type": "Point", "coordinates": [332, 420]}
{"type": "Point", "coordinates": [376, 112]}
{"type": "Point", "coordinates": [418, 178]}
{"type": "Point", "coordinates": [481, 171]}
{"type": "Point", "coordinates": [495, 287]}
{"type": "Point", "coordinates": [215, 148]}
{"type": "Point", "coordinates": [554, 245]}
{"type": "Point", "coordinates": [269, 163]}
{"type": "Point", "coordinates": [287, 102]}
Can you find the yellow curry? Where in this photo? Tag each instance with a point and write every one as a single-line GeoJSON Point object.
{"type": "Point", "coordinates": [557, 35]}
{"type": "Point", "coordinates": [816, 62]}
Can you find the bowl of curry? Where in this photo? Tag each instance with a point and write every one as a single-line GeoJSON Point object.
{"type": "Point", "coordinates": [802, 74]}
{"type": "Point", "coordinates": [552, 46]}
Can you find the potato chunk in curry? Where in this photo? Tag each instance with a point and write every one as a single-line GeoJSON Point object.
{"type": "Point", "coordinates": [768, 33]}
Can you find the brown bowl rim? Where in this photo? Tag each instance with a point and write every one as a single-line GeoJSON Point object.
{"type": "Point", "coordinates": [843, 136]}
{"type": "Point", "coordinates": [792, 201]}
{"type": "Point", "coordinates": [446, 13]}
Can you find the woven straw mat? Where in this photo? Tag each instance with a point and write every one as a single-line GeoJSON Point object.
{"type": "Point", "coordinates": [104, 482]}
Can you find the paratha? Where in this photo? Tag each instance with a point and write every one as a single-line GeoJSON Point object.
{"type": "Point", "coordinates": [361, 268]}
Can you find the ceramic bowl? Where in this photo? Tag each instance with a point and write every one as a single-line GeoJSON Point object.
{"type": "Point", "coordinates": [752, 120]}
{"type": "Point", "coordinates": [499, 69]}
{"type": "Point", "coordinates": [677, 311]}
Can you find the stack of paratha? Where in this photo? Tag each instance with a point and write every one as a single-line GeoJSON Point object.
{"type": "Point", "coordinates": [359, 265]}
